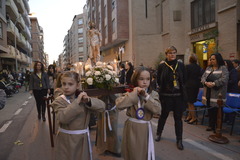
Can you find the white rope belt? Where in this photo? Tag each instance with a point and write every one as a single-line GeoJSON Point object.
{"type": "Point", "coordinates": [109, 122]}
{"type": "Point", "coordinates": [83, 131]}
{"type": "Point", "coordinates": [151, 152]}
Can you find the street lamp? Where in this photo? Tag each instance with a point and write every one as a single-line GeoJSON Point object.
{"type": "Point", "coordinates": [15, 42]}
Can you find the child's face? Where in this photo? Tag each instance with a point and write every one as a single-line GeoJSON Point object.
{"type": "Point", "coordinates": [144, 79]}
{"type": "Point", "coordinates": [69, 85]}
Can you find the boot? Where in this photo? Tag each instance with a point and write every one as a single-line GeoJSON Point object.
{"type": "Point", "coordinates": [43, 117]}
{"type": "Point", "coordinates": [180, 145]}
{"type": "Point", "coordinates": [39, 116]}
{"type": "Point", "coordinates": [158, 138]}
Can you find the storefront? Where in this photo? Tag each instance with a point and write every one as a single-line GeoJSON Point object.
{"type": "Point", "coordinates": [204, 42]}
{"type": "Point", "coordinates": [203, 50]}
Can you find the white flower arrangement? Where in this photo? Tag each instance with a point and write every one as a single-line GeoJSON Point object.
{"type": "Point", "coordinates": [101, 76]}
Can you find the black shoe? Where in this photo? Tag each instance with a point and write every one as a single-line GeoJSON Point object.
{"type": "Point", "coordinates": [158, 138]}
{"type": "Point", "coordinates": [43, 118]}
{"type": "Point", "coordinates": [180, 145]}
{"type": "Point", "coordinates": [209, 129]}
{"type": "Point", "coordinates": [39, 116]}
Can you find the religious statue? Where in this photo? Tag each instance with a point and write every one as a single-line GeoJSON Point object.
{"type": "Point", "coordinates": [94, 39]}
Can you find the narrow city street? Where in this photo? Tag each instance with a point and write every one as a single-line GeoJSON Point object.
{"type": "Point", "coordinates": [24, 137]}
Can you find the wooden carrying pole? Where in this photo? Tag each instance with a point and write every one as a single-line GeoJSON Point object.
{"type": "Point", "coordinates": [218, 138]}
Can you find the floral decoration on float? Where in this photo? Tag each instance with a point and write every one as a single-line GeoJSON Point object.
{"type": "Point", "coordinates": [100, 76]}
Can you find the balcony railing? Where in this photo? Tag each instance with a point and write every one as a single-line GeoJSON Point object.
{"type": "Point", "coordinates": [20, 5]}
{"type": "Point", "coordinates": [11, 4]}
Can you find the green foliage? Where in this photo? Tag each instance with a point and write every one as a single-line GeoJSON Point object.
{"type": "Point", "coordinates": [161, 57]}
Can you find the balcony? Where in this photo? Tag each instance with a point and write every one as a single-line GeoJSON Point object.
{"type": "Point", "coordinates": [28, 33]}
{"type": "Point", "coordinates": [12, 30]}
{"type": "Point", "coordinates": [11, 9]}
{"type": "Point", "coordinates": [26, 5]}
{"type": "Point", "coordinates": [20, 5]}
{"type": "Point", "coordinates": [10, 54]}
{"type": "Point", "coordinates": [22, 39]}
{"type": "Point", "coordinates": [24, 58]}
{"type": "Point", "coordinates": [21, 22]}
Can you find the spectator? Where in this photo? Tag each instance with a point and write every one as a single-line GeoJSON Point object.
{"type": "Point", "coordinates": [2, 99]}
{"type": "Point", "coordinates": [68, 67]}
{"type": "Point", "coordinates": [52, 76]}
{"type": "Point", "coordinates": [214, 80]}
{"type": "Point", "coordinates": [122, 74]}
{"type": "Point", "coordinates": [39, 87]}
{"type": "Point", "coordinates": [236, 64]}
{"type": "Point", "coordinates": [232, 87]}
{"type": "Point", "coordinates": [27, 80]}
{"type": "Point", "coordinates": [192, 86]}
{"type": "Point", "coordinates": [129, 72]}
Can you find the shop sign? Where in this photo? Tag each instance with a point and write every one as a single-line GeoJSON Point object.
{"type": "Point", "coordinates": [203, 27]}
{"type": "Point", "coordinates": [195, 37]}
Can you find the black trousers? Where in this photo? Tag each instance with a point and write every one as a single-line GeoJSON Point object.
{"type": "Point", "coordinates": [176, 105]}
{"type": "Point", "coordinates": [41, 105]}
{"type": "Point", "coordinates": [212, 117]}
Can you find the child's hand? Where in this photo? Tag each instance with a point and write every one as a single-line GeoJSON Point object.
{"type": "Point", "coordinates": [141, 91]}
{"type": "Point", "coordinates": [83, 97]}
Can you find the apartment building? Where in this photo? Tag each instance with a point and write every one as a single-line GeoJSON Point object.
{"type": "Point", "coordinates": [75, 41]}
{"type": "Point", "coordinates": [37, 42]}
{"type": "Point", "coordinates": [140, 30]}
{"type": "Point", "coordinates": [15, 47]}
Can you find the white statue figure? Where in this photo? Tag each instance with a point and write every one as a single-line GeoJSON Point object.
{"type": "Point", "coordinates": [94, 39]}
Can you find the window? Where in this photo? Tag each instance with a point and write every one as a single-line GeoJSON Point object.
{"type": "Point", "coordinates": [202, 12]}
{"type": "Point", "coordinates": [80, 21]}
{"type": "Point", "coordinates": [106, 32]}
{"type": "Point", "coordinates": [80, 30]}
{"type": "Point", "coordinates": [1, 30]}
{"type": "Point", "coordinates": [80, 40]}
{"type": "Point", "coordinates": [113, 4]}
{"type": "Point", "coordinates": [105, 11]}
{"type": "Point", "coordinates": [80, 49]}
{"type": "Point", "coordinates": [113, 25]}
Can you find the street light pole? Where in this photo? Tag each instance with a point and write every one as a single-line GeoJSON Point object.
{"type": "Point", "coordinates": [15, 43]}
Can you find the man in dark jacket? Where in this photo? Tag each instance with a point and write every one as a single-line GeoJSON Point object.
{"type": "Point", "coordinates": [171, 77]}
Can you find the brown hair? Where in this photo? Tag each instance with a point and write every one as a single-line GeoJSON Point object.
{"type": "Point", "coordinates": [71, 74]}
{"type": "Point", "coordinates": [193, 58]}
{"type": "Point", "coordinates": [58, 81]}
{"type": "Point", "coordinates": [136, 74]}
{"type": "Point", "coordinates": [169, 49]}
{"type": "Point", "coordinates": [35, 67]}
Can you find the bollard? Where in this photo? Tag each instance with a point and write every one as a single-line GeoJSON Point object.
{"type": "Point", "coordinates": [218, 138]}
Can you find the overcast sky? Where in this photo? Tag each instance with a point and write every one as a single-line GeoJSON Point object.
{"type": "Point", "coordinates": [55, 17]}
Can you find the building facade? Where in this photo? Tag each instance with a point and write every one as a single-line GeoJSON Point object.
{"type": "Point", "coordinates": [75, 41]}
{"type": "Point", "coordinates": [37, 42]}
{"type": "Point", "coordinates": [15, 50]}
{"type": "Point", "coordinates": [140, 30]}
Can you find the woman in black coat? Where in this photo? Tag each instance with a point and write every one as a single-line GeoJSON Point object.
{"type": "Point", "coordinates": [129, 72]}
{"type": "Point", "coordinates": [194, 73]}
{"type": "Point", "coordinates": [39, 87]}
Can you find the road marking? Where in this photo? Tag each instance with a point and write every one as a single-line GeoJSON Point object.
{"type": "Point", "coordinates": [18, 111]}
{"type": "Point", "coordinates": [25, 103]}
{"type": "Point", "coordinates": [30, 97]}
{"type": "Point", "coordinates": [207, 149]}
{"type": "Point", "coordinates": [5, 126]}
